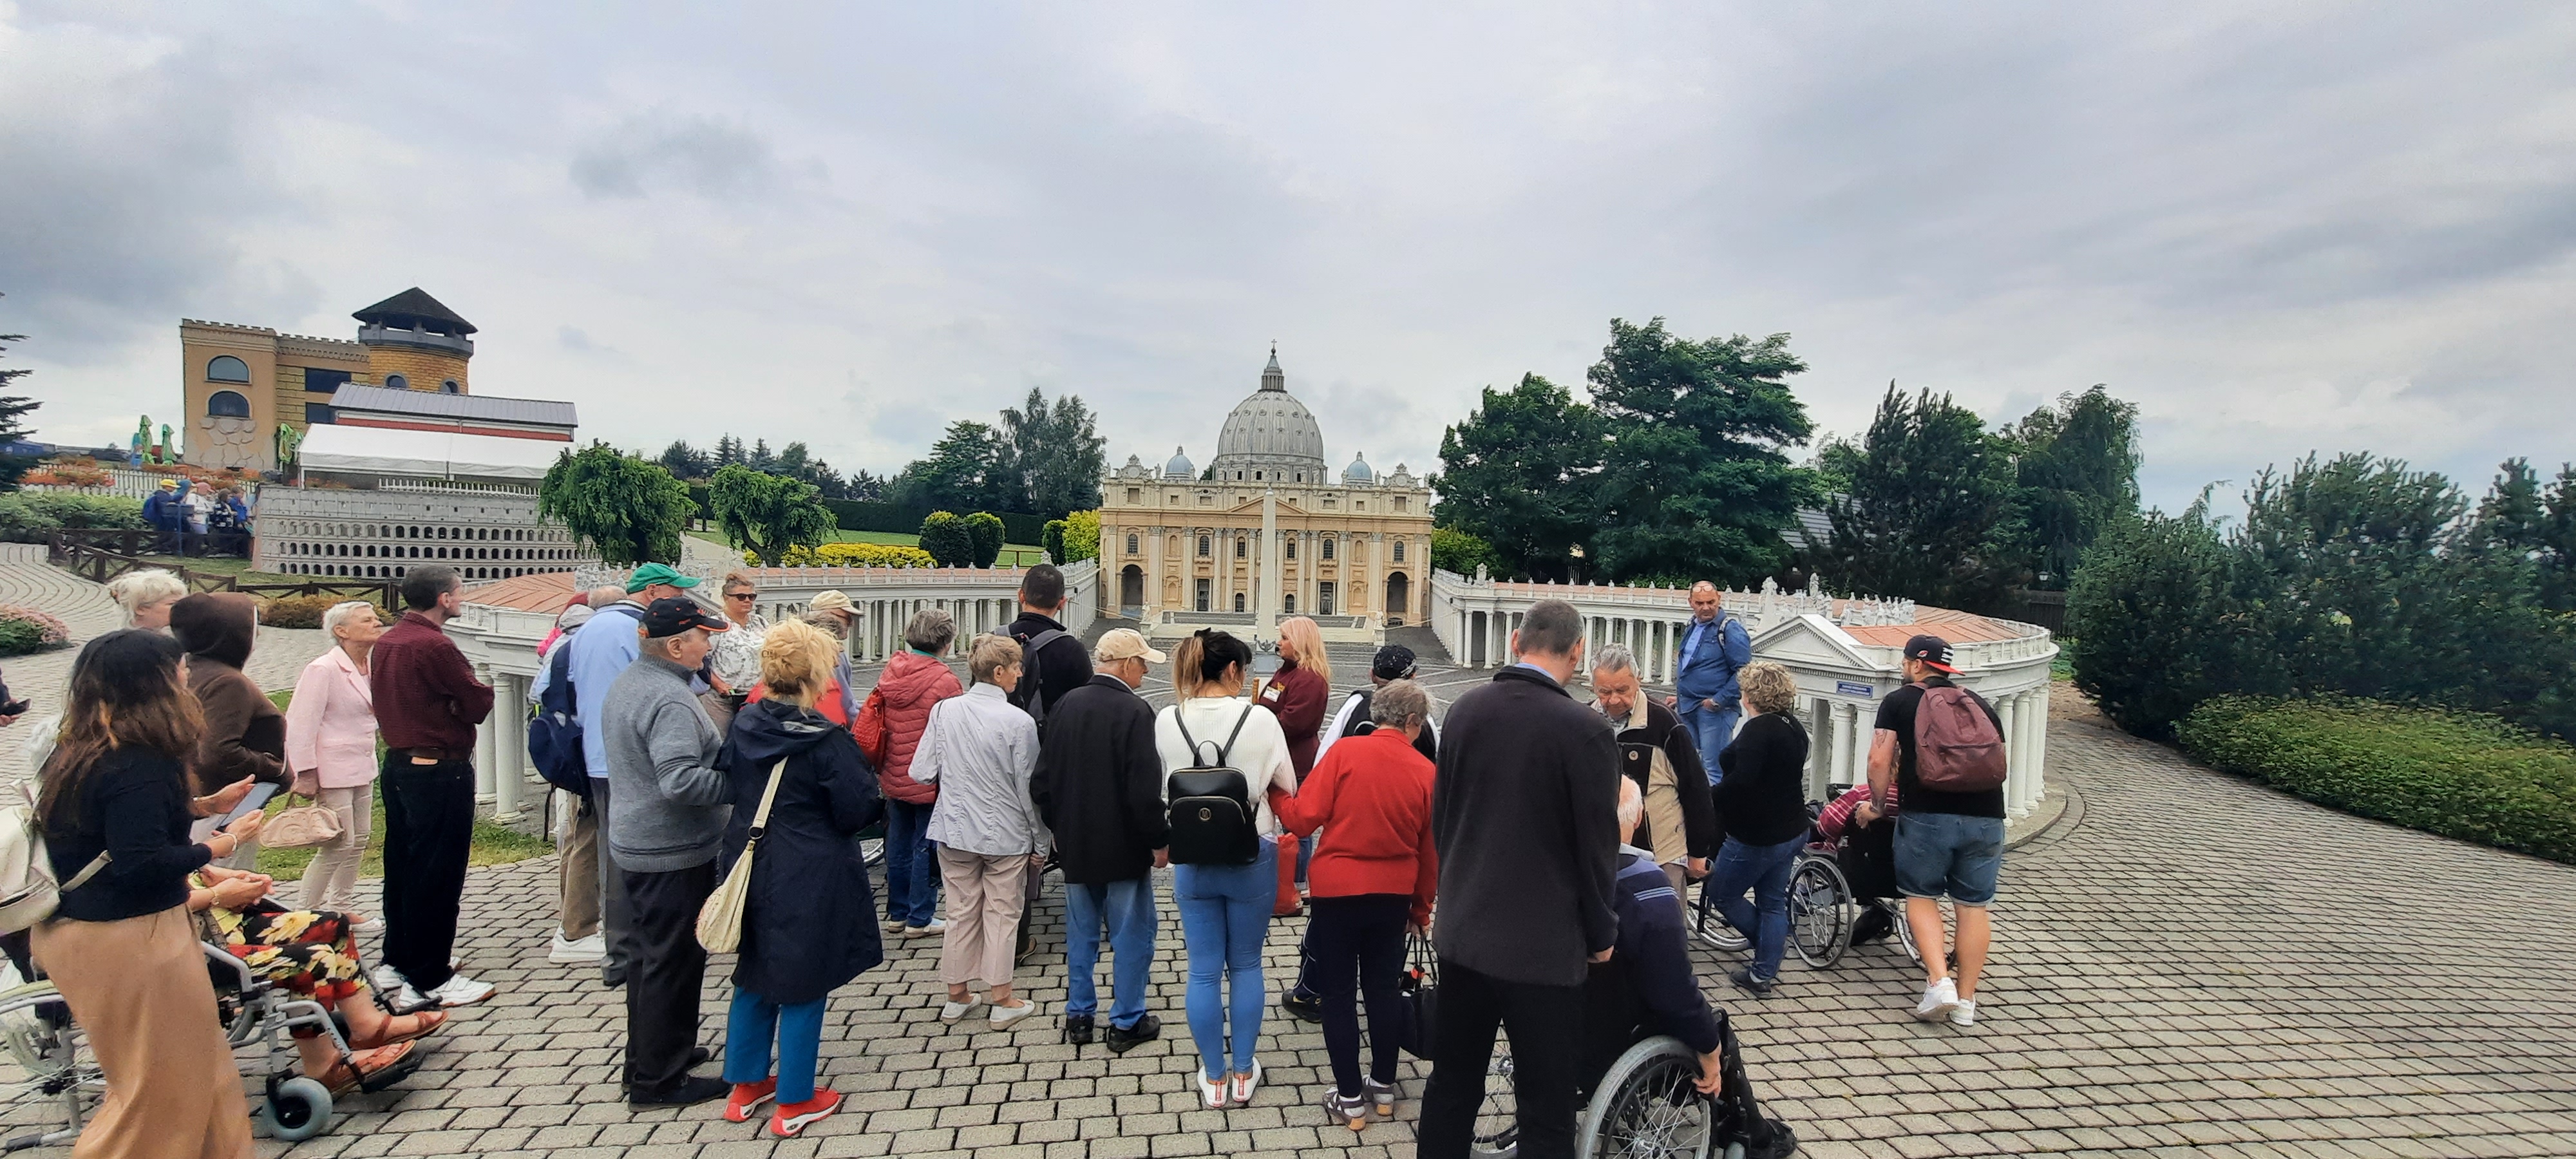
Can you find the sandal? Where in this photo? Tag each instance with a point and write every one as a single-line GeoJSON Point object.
{"type": "Point", "coordinates": [422, 1025]}
{"type": "Point", "coordinates": [350, 1072]}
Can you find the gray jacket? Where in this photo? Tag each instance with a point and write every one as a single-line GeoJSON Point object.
{"type": "Point", "coordinates": [667, 804]}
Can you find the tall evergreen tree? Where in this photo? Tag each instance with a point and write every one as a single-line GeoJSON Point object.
{"type": "Point", "coordinates": [1930, 512]}
{"type": "Point", "coordinates": [2078, 473]}
{"type": "Point", "coordinates": [2536, 524]}
{"type": "Point", "coordinates": [964, 471]}
{"type": "Point", "coordinates": [1517, 475]}
{"type": "Point", "coordinates": [14, 410]}
{"type": "Point", "coordinates": [1696, 482]}
{"type": "Point", "coordinates": [684, 461]}
{"type": "Point", "coordinates": [1052, 454]}
{"type": "Point", "coordinates": [728, 451]}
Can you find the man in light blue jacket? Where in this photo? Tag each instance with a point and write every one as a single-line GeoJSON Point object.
{"type": "Point", "coordinates": [600, 652]}
{"type": "Point", "coordinates": [1713, 646]}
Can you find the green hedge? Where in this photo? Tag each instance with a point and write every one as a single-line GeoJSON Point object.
{"type": "Point", "coordinates": [2461, 775]}
{"type": "Point", "coordinates": [31, 516]}
{"type": "Point", "coordinates": [869, 515]}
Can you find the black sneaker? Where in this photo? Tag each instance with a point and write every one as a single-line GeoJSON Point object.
{"type": "Point", "coordinates": [1077, 1030]}
{"type": "Point", "coordinates": [1302, 1006]}
{"type": "Point", "coordinates": [1744, 980]}
{"type": "Point", "coordinates": [1124, 1039]}
{"type": "Point", "coordinates": [691, 1091]}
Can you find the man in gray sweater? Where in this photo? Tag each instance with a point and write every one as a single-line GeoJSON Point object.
{"type": "Point", "coordinates": [667, 809]}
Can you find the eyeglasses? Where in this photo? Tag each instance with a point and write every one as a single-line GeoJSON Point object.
{"type": "Point", "coordinates": [742, 595]}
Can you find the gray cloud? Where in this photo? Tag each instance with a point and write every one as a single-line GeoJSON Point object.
{"type": "Point", "coordinates": [696, 154]}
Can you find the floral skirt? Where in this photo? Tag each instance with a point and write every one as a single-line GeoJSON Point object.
{"type": "Point", "coordinates": [310, 952]}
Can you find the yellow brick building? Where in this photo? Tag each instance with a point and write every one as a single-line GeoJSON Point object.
{"type": "Point", "coordinates": [241, 384]}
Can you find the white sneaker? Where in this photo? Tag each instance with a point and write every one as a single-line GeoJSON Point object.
{"type": "Point", "coordinates": [369, 926]}
{"type": "Point", "coordinates": [402, 999]}
{"type": "Point", "coordinates": [934, 929]}
{"type": "Point", "coordinates": [578, 951]}
{"type": "Point", "coordinates": [459, 990]}
{"type": "Point", "coordinates": [951, 1012]}
{"type": "Point", "coordinates": [1939, 999]}
{"type": "Point", "coordinates": [387, 980]}
{"type": "Point", "coordinates": [1964, 1014]}
{"type": "Point", "coordinates": [1240, 1088]}
{"type": "Point", "coordinates": [1004, 1016]}
{"type": "Point", "coordinates": [1211, 1091]}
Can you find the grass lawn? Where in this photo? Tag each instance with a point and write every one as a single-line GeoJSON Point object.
{"type": "Point", "coordinates": [1013, 554]}
{"type": "Point", "coordinates": [225, 565]}
{"type": "Point", "coordinates": [494, 844]}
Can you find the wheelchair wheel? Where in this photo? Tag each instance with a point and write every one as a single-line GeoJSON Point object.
{"type": "Point", "coordinates": [296, 1110]}
{"type": "Point", "coordinates": [1904, 930]}
{"type": "Point", "coordinates": [1645, 1106]}
{"type": "Point", "coordinates": [1498, 1129]}
{"type": "Point", "coordinates": [1820, 912]}
{"type": "Point", "coordinates": [1711, 929]}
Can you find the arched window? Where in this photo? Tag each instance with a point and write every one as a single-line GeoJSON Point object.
{"type": "Point", "coordinates": [1203, 547]}
{"type": "Point", "coordinates": [398, 382]}
{"type": "Point", "coordinates": [227, 404]}
{"type": "Point", "coordinates": [1131, 548]}
{"type": "Point", "coordinates": [1328, 549]}
{"type": "Point", "coordinates": [1399, 551]}
{"type": "Point", "coordinates": [226, 368]}
{"type": "Point", "coordinates": [449, 387]}
{"type": "Point", "coordinates": [1239, 545]}
{"type": "Point", "coordinates": [1292, 549]}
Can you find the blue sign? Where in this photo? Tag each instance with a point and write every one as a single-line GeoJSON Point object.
{"type": "Point", "coordinates": [1847, 688]}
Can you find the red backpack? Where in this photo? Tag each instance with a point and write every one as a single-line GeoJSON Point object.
{"type": "Point", "coordinates": [1957, 748]}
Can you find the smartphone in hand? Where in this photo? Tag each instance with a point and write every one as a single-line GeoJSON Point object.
{"type": "Point", "coordinates": [251, 802]}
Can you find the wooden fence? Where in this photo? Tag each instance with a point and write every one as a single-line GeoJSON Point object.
{"type": "Point", "coordinates": [102, 554]}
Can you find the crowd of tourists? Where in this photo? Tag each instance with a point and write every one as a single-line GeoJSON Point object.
{"type": "Point", "coordinates": [1537, 847]}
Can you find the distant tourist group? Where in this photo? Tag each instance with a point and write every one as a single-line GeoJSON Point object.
{"type": "Point", "coordinates": [1537, 848]}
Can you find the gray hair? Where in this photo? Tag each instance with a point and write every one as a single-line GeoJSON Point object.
{"type": "Point", "coordinates": [1632, 805]}
{"type": "Point", "coordinates": [932, 630]}
{"type": "Point", "coordinates": [830, 622]}
{"type": "Point", "coordinates": [340, 613]}
{"type": "Point", "coordinates": [1614, 658]}
{"type": "Point", "coordinates": [661, 645]}
{"type": "Point", "coordinates": [150, 585]}
{"type": "Point", "coordinates": [1398, 699]}
{"type": "Point", "coordinates": [606, 594]}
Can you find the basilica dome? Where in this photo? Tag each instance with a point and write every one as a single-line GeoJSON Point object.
{"type": "Point", "coordinates": [1271, 436]}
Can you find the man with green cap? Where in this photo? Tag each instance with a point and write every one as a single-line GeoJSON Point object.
{"type": "Point", "coordinates": [600, 651]}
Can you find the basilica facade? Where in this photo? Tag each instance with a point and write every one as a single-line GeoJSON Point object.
{"type": "Point", "coordinates": [1268, 529]}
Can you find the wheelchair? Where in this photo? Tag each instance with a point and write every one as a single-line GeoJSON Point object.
{"type": "Point", "coordinates": [1830, 889]}
{"type": "Point", "coordinates": [1644, 1105]}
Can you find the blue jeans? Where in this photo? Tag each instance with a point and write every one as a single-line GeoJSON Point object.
{"type": "Point", "coordinates": [1711, 730]}
{"type": "Point", "coordinates": [912, 876]}
{"type": "Point", "coordinates": [1128, 908]}
{"type": "Point", "coordinates": [1946, 853]}
{"type": "Point", "coordinates": [1225, 916]}
{"type": "Point", "coordinates": [799, 1031]}
{"type": "Point", "coordinates": [1764, 869]}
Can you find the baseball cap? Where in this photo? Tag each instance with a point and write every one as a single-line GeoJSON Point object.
{"type": "Point", "coordinates": [672, 615]}
{"type": "Point", "coordinates": [1125, 643]}
{"type": "Point", "coordinates": [1393, 662]}
{"type": "Point", "coordinates": [654, 573]}
{"type": "Point", "coordinates": [830, 600]}
{"type": "Point", "coordinates": [574, 616]}
{"type": "Point", "coordinates": [1932, 650]}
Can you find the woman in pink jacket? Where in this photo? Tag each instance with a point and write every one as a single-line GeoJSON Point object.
{"type": "Point", "coordinates": [913, 681]}
{"type": "Point", "coordinates": [331, 750]}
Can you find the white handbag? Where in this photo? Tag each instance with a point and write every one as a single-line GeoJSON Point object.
{"type": "Point", "coordinates": [720, 920]}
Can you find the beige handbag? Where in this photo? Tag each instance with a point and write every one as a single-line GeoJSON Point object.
{"type": "Point", "coordinates": [301, 826]}
{"type": "Point", "coordinates": [720, 920]}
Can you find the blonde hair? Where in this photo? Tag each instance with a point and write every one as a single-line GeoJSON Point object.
{"type": "Point", "coordinates": [1768, 687]}
{"type": "Point", "coordinates": [737, 578]}
{"type": "Point", "coordinates": [1302, 636]}
{"type": "Point", "coordinates": [150, 585]}
{"type": "Point", "coordinates": [797, 660]}
{"type": "Point", "coordinates": [992, 653]}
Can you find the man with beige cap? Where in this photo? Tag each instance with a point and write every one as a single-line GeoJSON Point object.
{"type": "Point", "coordinates": [831, 611]}
{"type": "Point", "coordinates": [1099, 788]}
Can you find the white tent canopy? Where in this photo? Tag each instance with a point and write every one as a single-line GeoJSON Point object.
{"type": "Point", "coordinates": [430, 454]}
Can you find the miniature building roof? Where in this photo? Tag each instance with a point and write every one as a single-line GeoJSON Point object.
{"type": "Point", "coordinates": [434, 454]}
{"type": "Point", "coordinates": [545, 591]}
{"type": "Point", "coordinates": [415, 307]}
{"type": "Point", "coordinates": [454, 407]}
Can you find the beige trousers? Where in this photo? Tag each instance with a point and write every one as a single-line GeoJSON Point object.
{"type": "Point", "coordinates": [331, 878]}
{"type": "Point", "coordinates": [139, 988]}
{"type": "Point", "coordinates": [578, 871]}
{"type": "Point", "coordinates": [984, 899]}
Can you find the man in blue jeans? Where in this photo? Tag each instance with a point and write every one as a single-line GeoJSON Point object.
{"type": "Point", "coordinates": [1947, 844]}
{"type": "Point", "coordinates": [1099, 787]}
{"type": "Point", "coordinates": [1713, 646]}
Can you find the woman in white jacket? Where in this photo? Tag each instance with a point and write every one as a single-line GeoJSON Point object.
{"type": "Point", "coordinates": [1225, 909]}
{"type": "Point", "coordinates": [331, 750]}
{"type": "Point", "coordinates": [980, 750]}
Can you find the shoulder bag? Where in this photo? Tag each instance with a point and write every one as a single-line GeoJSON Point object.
{"type": "Point", "coordinates": [301, 826]}
{"type": "Point", "coordinates": [720, 919]}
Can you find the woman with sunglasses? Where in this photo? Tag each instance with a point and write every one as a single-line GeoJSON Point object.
{"type": "Point", "coordinates": [736, 658]}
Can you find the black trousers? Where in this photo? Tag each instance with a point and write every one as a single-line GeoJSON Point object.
{"type": "Point", "coordinates": [1358, 948]}
{"type": "Point", "coordinates": [616, 916]}
{"type": "Point", "coordinates": [429, 830]}
{"type": "Point", "coordinates": [663, 980]}
{"type": "Point", "coordinates": [1546, 1028]}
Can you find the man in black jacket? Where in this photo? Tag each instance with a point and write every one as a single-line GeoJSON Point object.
{"type": "Point", "coordinates": [1056, 666]}
{"type": "Point", "coordinates": [1099, 787]}
{"type": "Point", "coordinates": [1524, 815]}
{"type": "Point", "coordinates": [1654, 750]}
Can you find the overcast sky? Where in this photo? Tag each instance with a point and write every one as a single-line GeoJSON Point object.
{"type": "Point", "coordinates": [2277, 228]}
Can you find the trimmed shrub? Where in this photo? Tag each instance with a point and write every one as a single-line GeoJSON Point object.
{"type": "Point", "coordinates": [1053, 542]}
{"type": "Point", "coordinates": [986, 528]}
{"type": "Point", "coordinates": [306, 611]}
{"type": "Point", "coordinates": [2154, 624]}
{"type": "Point", "coordinates": [2460, 775]}
{"type": "Point", "coordinates": [29, 516]}
{"type": "Point", "coordinates": [946, 538]}
{"type": "Point", "coordinates": [853, 555]}
{"type": "Point", "coordinates": [1081, 536]}
{"type": "Point", "coordinates": [21, 522]}
{"type": "Point", "coordinates": [24, 630]}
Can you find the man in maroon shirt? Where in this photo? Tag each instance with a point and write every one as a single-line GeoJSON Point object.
{"type": "Point", "coordinates": [427, 703]}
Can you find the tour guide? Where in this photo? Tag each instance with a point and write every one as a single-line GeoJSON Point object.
{"type": "Point", "coordinates": [1713, 646]}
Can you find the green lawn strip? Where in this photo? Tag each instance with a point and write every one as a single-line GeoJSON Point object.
{"type": "Point", "coordinates": [494, 843]}
{"type": "Point", "coordinates": [1022, 553]}
{"type": "Point", "coordinates": [2461, 775]}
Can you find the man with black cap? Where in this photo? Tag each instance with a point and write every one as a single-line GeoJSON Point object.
{"type": "Point", "coordinates": [667, 811]}
{"type": "Point", "coordinates": [1099, 788]}
{"type": "Point", "coordinates": [1949, 840]}
{"type": "Point", "coordinates": [1393, 662]}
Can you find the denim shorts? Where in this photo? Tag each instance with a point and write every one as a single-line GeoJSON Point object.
{"type": "Point", "coordinates": [1946, 853]}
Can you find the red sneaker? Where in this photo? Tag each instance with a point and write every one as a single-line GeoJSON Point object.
{"type": "Point", "coordinates": [791, 1119]}
{"type": "Point", "coordinates": [747, 1098]}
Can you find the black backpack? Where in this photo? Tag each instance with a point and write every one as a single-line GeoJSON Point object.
{"type": "Point", "coordinates": [554, 730]}
{"type": "Point", "coordinates": [1029, 695]}
{"type": "Point", "coordinates": [1211, 814]}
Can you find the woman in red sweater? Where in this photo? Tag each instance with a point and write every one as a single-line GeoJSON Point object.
{"type": "Point", "coordinates": [1373, 876]}
{"type": "Point", "coordinates": [1298, 696]}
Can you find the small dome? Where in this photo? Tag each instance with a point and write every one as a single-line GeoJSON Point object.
{"type": "Point", "coordinates": [1358, 471]}
{"type": "Point", "coordinates": [1179, 467]}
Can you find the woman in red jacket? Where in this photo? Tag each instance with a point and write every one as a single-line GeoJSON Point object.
{"type": "Point", "coordinates": [1298, 696]}
{"type": "Point", "coordinates": [1373, 876]}
{"type": "Point", "coordinates": [913, 681]}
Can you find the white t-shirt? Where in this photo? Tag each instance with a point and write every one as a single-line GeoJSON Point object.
{"type": "Point", "coordinates": [1261, 751]}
